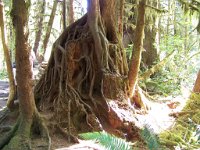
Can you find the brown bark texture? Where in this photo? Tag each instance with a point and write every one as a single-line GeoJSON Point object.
{"type": "Point", "coordinates": [12, 86]}
{"type": "Point", "coordinates": [137, 48]}
{"type": "Point", "coordinates": [121, 14]}
{"type": "Point", "coordinates": [29, 122]}
{"type": "Point", "coordinates": [196, 88]}
{"type": "Point", "coordinates": [70, 11]}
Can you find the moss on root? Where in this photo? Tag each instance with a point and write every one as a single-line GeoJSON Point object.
{"type": "Point", "coordinates": [183, 131]}
{"type": "Point", "coordinates": [24, 132]}
{"type": "Point", "coordinates": [18, 142]}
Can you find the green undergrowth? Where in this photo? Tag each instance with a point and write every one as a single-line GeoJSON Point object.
{"type": "Point", "coordinates": [3, 74]}
{"type": "Point", "coordinates": [150, 138]}
{"type": "Point", "coordinates": [110, 142]}
{"type": "Point", "coordinates": [186, 132]}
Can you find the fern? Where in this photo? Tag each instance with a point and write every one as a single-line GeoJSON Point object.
{"type": "Point", "coordinates": [150, 138]}
{"type": "Point", "coordinates": [110, 142]}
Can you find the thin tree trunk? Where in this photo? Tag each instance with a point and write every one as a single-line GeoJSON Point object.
{"type": "Point", "coordinates": [70, 11]}
{"type": "Point", "coordinates": [49, 26]}
{"type": "Point", "coordinates": [39, 26]}
{"type": "Point", "coordinates": [196, 88]}
{"type": "Point", "coordinates": [168, 24]}
{"type": "Point", "coordinates": [12, 86]}
{"type": "Point", "coordinates": [64, 14]}
{"type": "Point", "coordinates": [137, 49]}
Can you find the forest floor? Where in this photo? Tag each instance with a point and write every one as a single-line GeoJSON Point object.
{"type": "Point", "coordinates": [158, 117]}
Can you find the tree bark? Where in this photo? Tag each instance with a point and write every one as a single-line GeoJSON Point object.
{"type": "Point", "coordinates": [12, 86]}
{"type": "Point", "coordinates": [64, 14]}
{"type": "Point", "coordinates": [70, 11]}
{"type": "Point", "coordinates": [38, 35]}
{"type": "Point", "coordinates": [151, 41]}
{"type": "Point", "coordinates": [49, 26]}
{"type": "Point", "coordinates": [137, 49]}
{"type": "Point", "coordinates": [20, 136]}
{"type": "Point", "coordinates": [121, 14]}
{"type": "Point", "coordinates": [196, 88]}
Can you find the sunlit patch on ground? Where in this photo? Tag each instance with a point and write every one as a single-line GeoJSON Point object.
{"type": "Point", "coordinates": [158, 117]}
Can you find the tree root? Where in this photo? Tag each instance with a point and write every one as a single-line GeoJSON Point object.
{"type": "Point", "coordinates": [74, 86]}
{"type": "Point", "coordinates": [20, 137]}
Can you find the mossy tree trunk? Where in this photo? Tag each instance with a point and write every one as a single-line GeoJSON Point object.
{"type": "Point", "coordinates": [137, 49]}
{"type": "Point", "coordinates": [151, 41]}
{"type": "Point", "coordinates": [87, 67]}
{"type": "Point", "coordinates": [29, 121]}
{"type": "Point", "coordinates": [12, 86]}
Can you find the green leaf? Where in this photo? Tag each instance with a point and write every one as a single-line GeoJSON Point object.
{"type": "Point", "coordinates": [110, 142]}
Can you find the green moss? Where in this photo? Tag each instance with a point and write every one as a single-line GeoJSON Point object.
{"type": "Point", "coordinates": [18, 142]}
{"type": "Point", "coordinates": [183, 131]}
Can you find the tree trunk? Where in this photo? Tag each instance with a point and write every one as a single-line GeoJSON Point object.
{"type": "Point", "coordinates": [64, 14]}
{"type": "Point", "coordinates": [151, 42]}
{"type": "Point", "coordinates": [137, 49]}
{"type": "Point", "coordinates": [49, 26]}
{"type": "Point", "coordinates": [196, 88]}
{"type": "Point", "coordinates": [39, 26]}
{"type": "Point", "coordinates": [19, 137]}
{"type": "Point", "coordinates": [70, 11]}
{"type": "Point", "coordinates": [12, 86]}
{"type": "Point", "coordinates": [85, 71]}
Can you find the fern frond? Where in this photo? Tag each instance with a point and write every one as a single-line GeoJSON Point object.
{"type": "Point", "coordinates": [150, 138]}
{"type": "Point", "coordinates": [110, 142]}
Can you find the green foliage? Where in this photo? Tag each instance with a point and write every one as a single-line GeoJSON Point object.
{"type": "Point", "coordinates": [186, 132]}
{"type": "Point", "coordinates": [183, 137]}
{"type": "Point", "coordinates": [150, 138]}
{"type": "Point", "coordinates": [3, 74]}
{"type": "Point", "coordinates": [129, 51]}
{"type": "Point", "coordinates": [110, 142]}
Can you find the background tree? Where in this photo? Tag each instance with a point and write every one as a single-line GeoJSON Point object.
{"type": "Point", "coordinates": [49, 27]}
{"type": "Point", "coordinates": [64, 14]}
{"type": "Point", "coordinates": [29, 120]}
{"type": "Point", "coordinates": [70, 11]}
{"type": "Point", "coordinates": [12, 86]}
{"type": "Point", "coordinates": [151, 41]}
{"type": "Point", "coordinates": [40, 18]}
